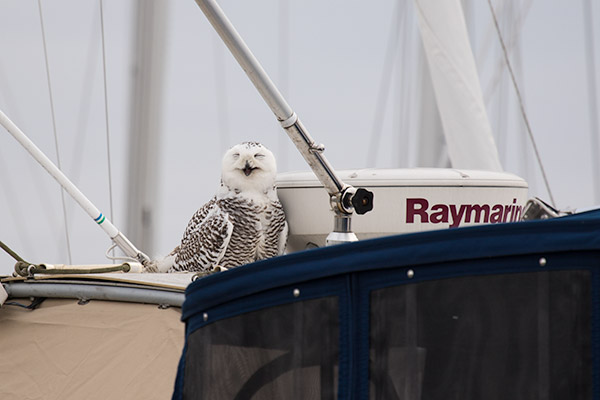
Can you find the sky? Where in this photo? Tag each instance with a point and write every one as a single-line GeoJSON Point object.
{"type": "Point", "coordinates": [330, 59]}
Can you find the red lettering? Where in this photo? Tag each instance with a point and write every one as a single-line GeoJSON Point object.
{"type": "Point", "coordinates": [476, 210]}
{"type": "Point", "coordinates": [456, 216]}
{"type": "Point", "coordinates": [412, 210]}
{"type": "Point", "coordinates": [517, 213]}
{"type": "Point", "coordinates": [439, 213]}
{"type": "Point", "coordinates": [496, 215]}
{"type": "Point", "coordinates": [506, 212]}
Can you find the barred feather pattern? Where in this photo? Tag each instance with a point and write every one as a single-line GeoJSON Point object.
{"type": "Point", "coordinates": [229, 232]}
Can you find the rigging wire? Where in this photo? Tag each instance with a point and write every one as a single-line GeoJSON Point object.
{"type": "Point", "coordinates": [516, 29]}
{"type": "Point", "coordinates": [110, 192]}
{"type": "Point", "coordinates": [62, 191]}
{"type": "Point", "coordinates": [525, 164]}
{"type": "Point", "coordinates": [521, 105]}
{"type": "Point", "coordinates": [502, 97]}
{"type": "Point", "coordinates": [518, 18]}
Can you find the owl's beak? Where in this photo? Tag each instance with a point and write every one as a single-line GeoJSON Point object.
{"type": "Point", "coordinates": [248, 169]}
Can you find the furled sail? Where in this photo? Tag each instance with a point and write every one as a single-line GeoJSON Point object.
{"type": "Point", "coordinates": [456, 84]}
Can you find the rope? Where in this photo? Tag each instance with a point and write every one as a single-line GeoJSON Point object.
{"type": "Point", "coordinates": [111, 249]}
{"type": "Point", "coordinates": [27, 270]}
{"type": "Point", "coordinates": [110, 193]}
{"type": "Point", "coordinates": [21, 264]}
{"type": "Point", "coordinates": [11, 252]}
{"type": "Point", "coordinates": [521, 106]}
{"type": "Point", "coordinates": [62, 192]}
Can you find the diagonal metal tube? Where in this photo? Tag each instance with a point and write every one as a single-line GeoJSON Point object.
{"type": "Point", "coordinates": [311, 152]}
{"type": "Point", "coordinates": [118, 238]}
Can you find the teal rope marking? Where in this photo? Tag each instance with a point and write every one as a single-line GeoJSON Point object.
{"type": "Point", "coordinates": [100, 219]}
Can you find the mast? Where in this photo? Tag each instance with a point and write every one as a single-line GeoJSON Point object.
{"type": "Point", "coordinates": [145, 132]}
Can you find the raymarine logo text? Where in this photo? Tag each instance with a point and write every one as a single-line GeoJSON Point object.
{"type": "Point", "coordinates": [419, 210]}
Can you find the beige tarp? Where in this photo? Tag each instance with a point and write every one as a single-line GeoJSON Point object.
{"type": "Point", "coordinates": [100, 350]}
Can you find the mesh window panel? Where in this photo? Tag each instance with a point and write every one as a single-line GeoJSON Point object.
{"type": "Point", "coordinates": [514, 336]}
{"type": "Point", "coordinates": [284, 352]}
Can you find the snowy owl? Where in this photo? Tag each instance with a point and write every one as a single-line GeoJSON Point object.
{"type": "Point", "coordinates": [242, 223]}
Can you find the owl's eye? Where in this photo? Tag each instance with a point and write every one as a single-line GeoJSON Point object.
{"type": "Point", "coordinates": [259, 156]}
{"type": "Point", "coordinates": [236, 155]}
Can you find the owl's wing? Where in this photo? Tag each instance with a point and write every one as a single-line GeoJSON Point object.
{"type": "Point", "coordinates": [205, 239]}
{"type": "Point", "coordinates": [283, 239]}
{"type": "Point", "coordinates": [280, 227]}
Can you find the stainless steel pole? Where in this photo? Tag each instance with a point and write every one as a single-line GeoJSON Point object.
{"type": "Point", "coordinates": [118, 238]}
{"type": "Point", "coordinates": [342, 195]}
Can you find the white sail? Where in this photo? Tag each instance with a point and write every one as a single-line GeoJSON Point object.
{"type": "Point", "coordinates": [431, 150]}
{"type": "Point", "coordinates": [456, 84]}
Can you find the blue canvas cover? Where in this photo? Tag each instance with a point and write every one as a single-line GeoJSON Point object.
{"type": "Point", "coordinates": [496, 311]}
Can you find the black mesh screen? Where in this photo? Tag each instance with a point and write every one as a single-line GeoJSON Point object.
{"type": "Point", "coordinates": [517, 336]}
{"type": "Point", "coordinates": [284, 352]}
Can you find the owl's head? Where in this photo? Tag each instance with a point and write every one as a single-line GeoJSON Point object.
{"type": "Point", "coordinates": [249, 166]}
